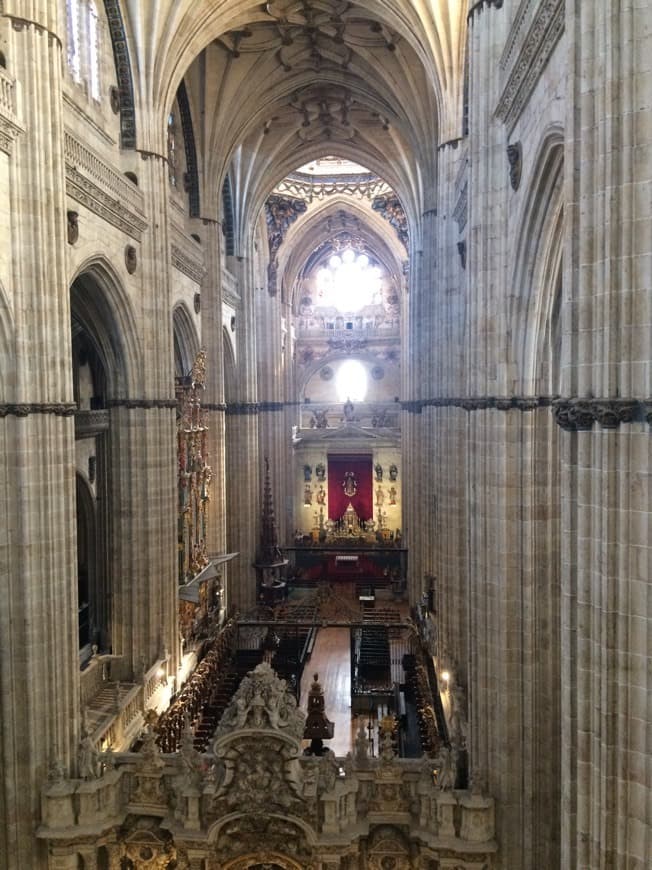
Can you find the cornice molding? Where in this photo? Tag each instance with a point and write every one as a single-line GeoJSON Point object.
{"type": "Point", "coordinates": [24, 409]}
{"type": "Point", "coordinates": [542, 37]}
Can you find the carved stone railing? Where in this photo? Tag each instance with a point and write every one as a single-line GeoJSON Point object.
{"type": "Point", "coordinates": [392, 796]}
{"type": "Point", "coordinates": [83, 159]}
{"type": "Point", "coordinates": [119, 725]}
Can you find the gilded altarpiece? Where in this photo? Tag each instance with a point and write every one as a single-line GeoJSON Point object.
{"type": "Point", "coordinates": [194, 477]}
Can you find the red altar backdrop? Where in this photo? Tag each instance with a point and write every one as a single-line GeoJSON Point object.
{"type": "Point", "coordinates": [338, 501]}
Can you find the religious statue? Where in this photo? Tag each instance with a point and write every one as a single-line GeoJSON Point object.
{"type": "Point", "coordinates": [307, 472]}
{"type": "Point", "coordinates": [380, 496]}
{"type": "Point", "coordinates": [350, 485]}
{"type": "Point", "coordinates": [392, 495]}
{"type": "Point", "coordinates": [88, 758]}
{"type": "Point", "coordinates": [349, 409]}
{"type": "Point", "coordinates": [307, 494]}
{"type": "Point", "coordinates": [393, 472]}
{"type": "Point", "coordinates": [320, 471]}
{"type": "Point", "coordinates": [321, 495]}
{"type": "Point", "coordinates": [378, 468]}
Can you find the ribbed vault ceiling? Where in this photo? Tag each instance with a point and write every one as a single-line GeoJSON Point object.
{"type": "Point", "coordinates": [278, 84]}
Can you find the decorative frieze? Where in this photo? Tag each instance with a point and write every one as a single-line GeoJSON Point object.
{"type": "Point", "coordinates": [571, 414]}
{"type": "Point", "coordinates": [182, 261]}
{"type": "Point", "coordinates": [24, 409]}
{"type": "Point", "coordinates": [537, 47]}
{"type": "Point", "coordinates": [147, 404]}
{"type": "Point", "coordinates": [479, 403]}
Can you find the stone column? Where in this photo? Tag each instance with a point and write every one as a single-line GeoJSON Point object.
{"type": "Point", "coordinates": [143, 461]}
{"type": "Point", "coordinates": [242, 455]}
{"type": "Point", "coordinates": [38, 609]}
{"type": "Point", "coordinates": [213, 341]}
{"type": "Point", "coordinates": [607, 623]}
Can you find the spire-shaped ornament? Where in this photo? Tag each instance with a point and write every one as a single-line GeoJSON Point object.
{"type": "Point", "coordinates": [318, 726]}
{"type": "Point", "coordinates": [271, 564]}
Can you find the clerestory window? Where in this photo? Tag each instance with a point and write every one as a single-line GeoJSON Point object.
{"type": "Point", "coordinates": [84, 44]}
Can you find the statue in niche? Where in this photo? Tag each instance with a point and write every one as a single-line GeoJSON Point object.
{"type": "Point", "coordinates": [380, 496]}
{"type": "Point", "coordinates": [307, 472]}
{"type": "Point", "coordinates": [307, 494]}
{"type": "Point", "coordinates": [393, 472]}
{"type": "Point", "coordinates": [320, 471]}
{"type": "Point", "coordinates": [350, 485]}
{"type": "Point", "coordinates": [378, 469]}
{"type": "Point", "coordinates": [321, 495]}
{"type": "Point", "coordinates": [349, 409]}
{"type": "Point", "coordinates": [392, 495]}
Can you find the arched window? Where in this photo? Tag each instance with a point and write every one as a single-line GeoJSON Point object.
{"type": "Point", "coordinates": [172, 149]}
{"type": "Point", "coordinates": [84, 44]}
{"type": "Point", "coordinates": [93, 52]}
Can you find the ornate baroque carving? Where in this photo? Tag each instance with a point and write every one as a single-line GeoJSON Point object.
{"type": "Point", "coordinates": [537, 47]}
{"type": "Point", "coordinates": [263, 702]}
{"type": "Point", "coordinates": [390, 208]}
{"type": "Point", "coordinates": [280, 213]}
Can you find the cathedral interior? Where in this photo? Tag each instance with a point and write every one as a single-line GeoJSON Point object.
{"type": "Point", "coordinates": [325, 409]}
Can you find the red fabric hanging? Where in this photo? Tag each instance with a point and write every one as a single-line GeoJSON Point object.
{"type": "Point", "coordinates": [338, 500]}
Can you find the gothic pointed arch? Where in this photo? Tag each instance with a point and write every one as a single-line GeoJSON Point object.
{"type": "Point", "coordinates": [186, 342]}
{"type": "Point", "coordinates": [7, 352]}
{"type": "Point", "coordinates": [537, 272]}
{"type": "Point", "coordinates": [102, 308]}
{"type": "Point", "coordinates": [192, 179]}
